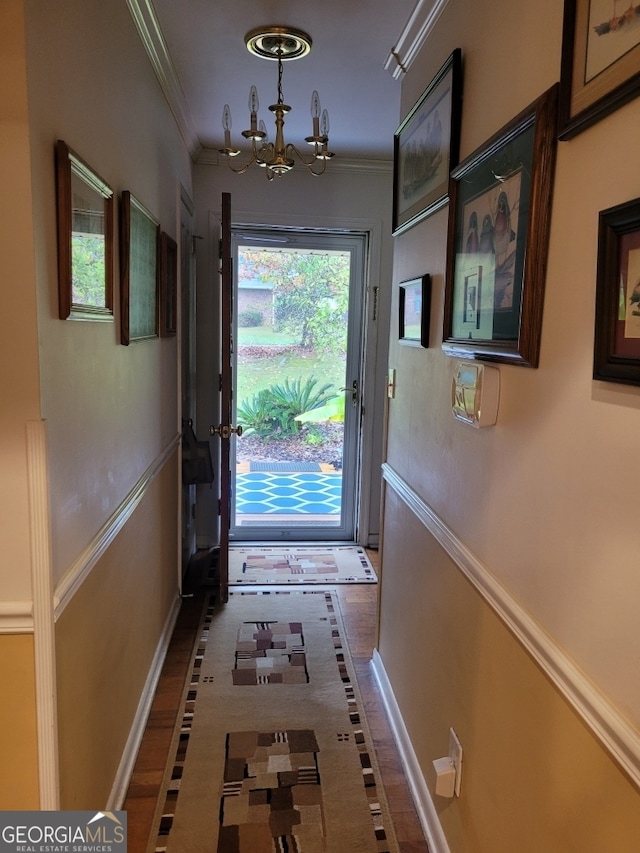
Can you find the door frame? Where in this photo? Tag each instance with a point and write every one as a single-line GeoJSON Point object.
{"type": "Point", "coordinates": [358, 244]}
{"type": "Point", "coordinates": [187, 367]}
{"type": "Point", "coordinates": [378, 274]}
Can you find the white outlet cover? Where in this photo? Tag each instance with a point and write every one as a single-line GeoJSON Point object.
{"type": "Point", "coordinates": [455, 754]}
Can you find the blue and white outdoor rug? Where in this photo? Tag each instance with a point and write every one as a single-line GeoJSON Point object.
{"type": "Point", "coordinates": [295, 493]}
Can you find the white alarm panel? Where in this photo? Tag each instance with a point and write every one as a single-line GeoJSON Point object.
{"type": "Point", "coordinates": [475, 392]}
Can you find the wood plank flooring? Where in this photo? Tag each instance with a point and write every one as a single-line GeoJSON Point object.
{"type": "Point", "coordinates": [358, 604]}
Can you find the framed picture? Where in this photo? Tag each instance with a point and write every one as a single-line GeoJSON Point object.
{"type": "Point", "coordinates": [85, 239]}
{"type": "Point", "coordinates": [617, 331]}
{"type": "Point", "coordinates": [426, 146]}
{"type": "Point", "coordinates": [499, 220]}
{"type": "Point", "coordinates": [168, 285]}
{"type": "Point", "coordinates": [415, 311]}
{"type": "Point", "coordinates": [139, 247]}
{"type": "Point", "coordinates": [600, 68]}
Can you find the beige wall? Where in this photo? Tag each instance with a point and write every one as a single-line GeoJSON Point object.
{"type": "Point", "coordinates": [106, 639]}
{"type": "Point", "coordinates": [545, 500]}
{"type": "Point", "coordinates": [19, 339]}
{"type": "Point", "coordinates": [19, 776]}
{"type": "Point", "coordinates": [110, 409]}
{"type": "Point", "coordinates": [77, 71]}
{"type": "Point", "coordinates": [534, 777]}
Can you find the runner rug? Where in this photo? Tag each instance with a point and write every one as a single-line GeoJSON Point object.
{"type": "Point", "coordinates": [272, 753]}
{"type": "Point", "coordinates": [300, 565]}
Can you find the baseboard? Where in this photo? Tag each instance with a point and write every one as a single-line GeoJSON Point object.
{"type": "Point", "coordinates": [419, 791]}
{"type": "Point", "coordinates": [123, 776]}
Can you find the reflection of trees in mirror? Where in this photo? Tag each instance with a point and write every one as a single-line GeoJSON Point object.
{"type": "Point", "coordinates": [88, 269]}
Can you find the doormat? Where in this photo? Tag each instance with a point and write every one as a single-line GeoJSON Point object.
{"type": "Point", "coordinates": [278, 467]}
{"type": "Point", "coordinates": [310, 564]}
{"type": "Point", "coordinates": [273, 751]}
{"type": "Point", "coordinates": [302, 493]}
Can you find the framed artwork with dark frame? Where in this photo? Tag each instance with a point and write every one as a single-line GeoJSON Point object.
{"type": "Point", "coordinates": [139, 263]}
{"type": "Point", "coordinates": [600, 68]}
{"type": "Point", "coordinates": [617, 328]}
{"type": "Point", "coordinates": [414, 311]}
{"type": "Point", "coordinates": [426, 147]}
{"type": "Point", "coordinates": [168, 285]}
{"type": "Point", "coordinates": [85, 239]}
{"type": "Point", "coordinates": [499, 222]}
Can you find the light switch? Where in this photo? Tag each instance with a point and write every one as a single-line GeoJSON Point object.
{"type": "Point", "coordinates": [391, 383]}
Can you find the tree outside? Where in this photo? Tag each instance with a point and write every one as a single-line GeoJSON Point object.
{"type": "Point", "coordinates": [300, 343]}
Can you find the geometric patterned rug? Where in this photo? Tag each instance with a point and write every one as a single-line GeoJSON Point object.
{"type": "Point", "coordinates": [284, 564]}
{"type": "Point", "coordinates": [281, 493]}
{"type": "Point", "coordinates": [272, 753]}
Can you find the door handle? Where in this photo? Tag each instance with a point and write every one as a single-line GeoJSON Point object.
{"type": "Point", "coordinates": [353, 391]}
{"type": "Point", "coordinates": [226, 431]}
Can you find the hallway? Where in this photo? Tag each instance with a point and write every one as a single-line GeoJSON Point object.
{"type": "Point", "coordinates": [358, 607]}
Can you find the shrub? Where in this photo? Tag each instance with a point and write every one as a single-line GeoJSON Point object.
{"type": "Point", "coordinates": [272, 412]}
{"type": "Point", "coordinates": [250, 318]}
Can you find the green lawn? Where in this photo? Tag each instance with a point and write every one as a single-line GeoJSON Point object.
{"type": "Point", "coordinates": [264, 335]}
{"type": "Point", "coordinates": [258, 373]}
{"type": "Point", "coordinates": [255, 373]}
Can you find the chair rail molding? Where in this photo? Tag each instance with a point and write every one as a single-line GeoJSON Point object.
{"type": "Point", "coordinates": [89, 556]}
{"type": "Point", "coordinates": [16, 617]}
{"type": "Point", "coordinates": [605, 721]}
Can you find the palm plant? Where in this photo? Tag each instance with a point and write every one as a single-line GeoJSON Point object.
{"type": "Point", "coordinates": [273, 411]}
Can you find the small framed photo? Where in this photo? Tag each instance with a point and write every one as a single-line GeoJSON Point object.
{"type": "Point", "coordinates": [600, 69]}
{"type": "Point", "coordinates": [426, 146]}
{"type": "Point", "coordinates": [168, 285]}
{"type": "Point", "coordinates": [414, 311]}
{"type": "Point", "coordinates": [499, 222]}
{"type": "Point", "coordinates": [85, 239]}
{"type": "Point", "coordinates": [139, 271]}
{"type": "Point", "coordinates": [617, 329]}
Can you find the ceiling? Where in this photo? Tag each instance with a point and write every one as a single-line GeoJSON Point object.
{"type": "Point", "coordinates": [352, 40]}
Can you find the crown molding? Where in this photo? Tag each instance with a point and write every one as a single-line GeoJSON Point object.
{"type": "Point", "coordinates": [148, 27]}
{"type": "Point", "coordinates": [413, 36]}
{"type": "Point", "coordinates": [211, 157]}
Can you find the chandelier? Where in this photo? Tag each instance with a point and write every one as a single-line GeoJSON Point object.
{"type": "Point", "coordinates": [279, 44]}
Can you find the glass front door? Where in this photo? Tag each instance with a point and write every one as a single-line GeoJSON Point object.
{"type": "Point", "coordinates": [296, 363]}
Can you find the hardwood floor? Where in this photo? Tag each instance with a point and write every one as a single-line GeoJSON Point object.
{"type": "Point", "coordinates": [358, 604]}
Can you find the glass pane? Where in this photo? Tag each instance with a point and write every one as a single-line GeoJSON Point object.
{"type": "Point", "coordinates": [292, 320]}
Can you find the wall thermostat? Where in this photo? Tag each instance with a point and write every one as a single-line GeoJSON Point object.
{"type": "Point", "coordinates": [475, 391]}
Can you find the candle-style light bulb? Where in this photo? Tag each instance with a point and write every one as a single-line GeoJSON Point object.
{"type": "Point", "coordinates": [315, 113]}
{"type": "Point", "coordinates": [324, 124]}
{"type": "Point", "coordinates": [254, 105]}
{"type": "Point", "coordinates": [226, 124]}
{"type": "Point", "coordinates": [262, 127]}
{"type": "Point", "coordinates": [315, 104]}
